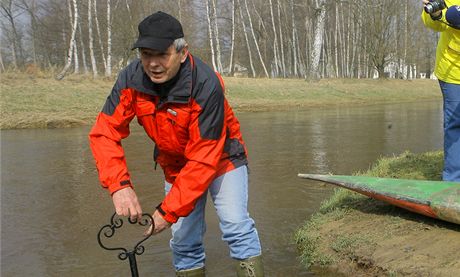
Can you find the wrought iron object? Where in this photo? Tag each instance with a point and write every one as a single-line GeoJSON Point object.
{"type": "Point", "coordinates": [109, 230]}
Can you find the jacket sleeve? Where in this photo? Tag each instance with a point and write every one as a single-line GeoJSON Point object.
{"type": "Point", "coordinates": [436, 25]}
{"type": "Point", "coordinates": [203, 152]}
{"type": "Point", "coordinates": [112, 125]}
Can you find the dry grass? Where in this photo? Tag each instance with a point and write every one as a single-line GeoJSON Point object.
{"type": "Point", "coordinates": [37, 100]}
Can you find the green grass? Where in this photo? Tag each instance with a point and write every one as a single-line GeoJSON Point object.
{"type": "Point", "coordinates": [425, 166]}
{"type": "Point", "coordinates": [347, 244]}
{"type": "Point", "coordinates": [307, 240]}
{"type": "Point", "coordinates": [39, 101]}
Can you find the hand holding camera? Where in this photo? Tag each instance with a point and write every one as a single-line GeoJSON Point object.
{"type": "Point", "coordinates": [434, 7]}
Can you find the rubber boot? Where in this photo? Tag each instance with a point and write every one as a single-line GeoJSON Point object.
{"type": "Point", "coordinates": [194, 272]}
{"type": "Point", "coordinates": [250, 267]}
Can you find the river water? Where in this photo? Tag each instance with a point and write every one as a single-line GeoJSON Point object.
{"type": "Point", "coordinates": [52, 206]}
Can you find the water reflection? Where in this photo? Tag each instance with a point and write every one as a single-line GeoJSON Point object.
{"type": "Point", "coordinates": [52, 206]}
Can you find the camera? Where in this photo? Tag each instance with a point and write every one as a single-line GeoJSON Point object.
{"type": "Point", "coordinates": [434, 6]}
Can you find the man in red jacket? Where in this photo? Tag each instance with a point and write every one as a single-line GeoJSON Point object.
{"type": "Point", "coordinates": [180, 103]}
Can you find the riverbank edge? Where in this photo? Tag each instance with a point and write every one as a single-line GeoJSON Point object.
{"type": "Point", "coordinates": [30, 101]}
{"type": "Point", "coordinates": [354, 235]}
{"type": "Point", "coordinates": [67, 121]}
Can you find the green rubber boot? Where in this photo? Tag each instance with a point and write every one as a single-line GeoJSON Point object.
{"type": "Point", "coordinates": [251, 267]}
{"type": "Point", "coordinates": [194, 272]}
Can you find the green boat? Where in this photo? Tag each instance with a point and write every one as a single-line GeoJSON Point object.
{"type": "Point", "coordinates": [435, 199]}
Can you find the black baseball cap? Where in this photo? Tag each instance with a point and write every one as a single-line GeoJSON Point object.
{"type": "Point", "coordinates": [158, 31]}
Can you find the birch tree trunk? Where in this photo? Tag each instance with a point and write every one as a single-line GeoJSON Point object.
{"type": "Point", "coordinates": [255, 40]}
{"type": "Point", "coordinates": [108, 68]}
{"type": "Point", "coordinates": [343, 60]}
{"type": "Point", "coordinates": [61, 75]}
{"type": "Point", "coordinates": [406, 35]}
{"type": "Point", "coordinates": [96, 20]}
{"type": "Point", "coordinates": [347, 68]}
{"type": "Point", "coordinates": [75, 58]}
{"type": "Point", "coordinates": [336, 40]}
{"type": "Point", "coordinates": [357, 38]}
{"type": "Point", "coordinates": [308, 40]}
{"type": "Point", "coordinates": [210, 32]}
{"type": "Point", "coordinates": [91, 39]}
{"type": "Point", "coordinates": [294, 44]}
{"type": "Point", "coordinates": [2, 65]}
{"type": "Point", "coordinates": [247, 40]}
{"type": "Point", "coordinates": [276, 61]}
{"type": "Point", "coordinates": [75, 49]}
{"type": "Point", "coordinates": [33, 23]}
{"type": "Point", "coordinates": [351, 47]}
{"type": "Point", "coordinates": [179, 5]}
{"type": "Point", "coordinates": [283, 64]}
{"type": "Point", "coordinates": [318, 40]}
{"type": "Point", "coordinates": [83, 52]}
{"type": "Point", "coordinates": [232, 46]}
{"type": "Point", "coordinates": [14, 56]}
{"type": "Point", "coordinates": [216, 36]}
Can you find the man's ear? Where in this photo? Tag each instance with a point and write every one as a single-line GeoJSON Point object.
{"type": "Point", "coordinates": [184, 53]}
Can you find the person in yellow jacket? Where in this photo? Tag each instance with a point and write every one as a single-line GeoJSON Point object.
{"type": "Point", "coordinates": [444, 17]}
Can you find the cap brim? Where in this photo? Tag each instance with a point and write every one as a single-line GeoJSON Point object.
{"type": "Point", "coordinates": [160, 44]}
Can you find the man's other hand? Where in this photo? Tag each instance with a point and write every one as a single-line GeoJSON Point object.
{"type": "Point", "coordinates": [159, 222]}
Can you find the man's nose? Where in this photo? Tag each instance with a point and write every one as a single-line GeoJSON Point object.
{"type": "Point", "coordinates": [154, 61]}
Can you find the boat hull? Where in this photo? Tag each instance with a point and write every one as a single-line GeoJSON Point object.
{"type": "Point", "coordinates": [435, 199]}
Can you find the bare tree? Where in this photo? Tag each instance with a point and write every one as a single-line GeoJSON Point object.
{"type": "Point", "coordinates": [406, 34]}
{"type": "Point", "coordinates": [75, 48]}
{"type": "Point", "coordinates": [108, 67]}
{"type": "Point", "coordinates": [232, 45]}
{"type": "Point", "coordinates": [30, 6]}
{"type": "Point", "coordinates": [91, 39]}
{"type": "Point", "coordinates": [318, 41]}
{"type": "Point", "coordinates": [379, 27]}
{"type": "Point", "coordinates": [286, 38]}
{"type": "Point", "coordinates": [211, 36]}
{"type": "Point", "coordinates": [13, 34]}
{"type": "Point", "coordinates": [283, 64]}
{"type": "Point", "coordinates": [83, 51]}
{"type": "Point", "coordinates": [216, 36]}
{"type": "Point", "coordinates": [255, 40]}
{"type": "Point", "coordinates": [276, 62]}
{"type": "Point", "coordinates": [72, 42]}
{"type": "Point", "coordinates": [2, 65]}
{"type": "Point", "coordinates": [246, 39]}
{"type": "Point", "coordinates": [179, 5]}
{"type": "Point", "coordinates": [99, 36]}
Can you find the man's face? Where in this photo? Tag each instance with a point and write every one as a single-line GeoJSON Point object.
{"type": "Point", "coordinates": [162, 66]}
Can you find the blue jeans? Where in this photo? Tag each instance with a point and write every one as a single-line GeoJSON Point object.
{"type": "Point", "coordinates": [451, 96]}
{"type": "Point", "coordinates": [229, 194]}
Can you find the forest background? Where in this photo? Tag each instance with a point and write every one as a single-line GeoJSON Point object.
{"type": "Point", "coordinates": [308, 39]}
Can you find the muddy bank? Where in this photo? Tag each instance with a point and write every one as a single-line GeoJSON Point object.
{"type": "Point", "coordinates": [358, 236]}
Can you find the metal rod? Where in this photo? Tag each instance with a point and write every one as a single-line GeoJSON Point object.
{"type": "Point", "coordinates": [133, 264]}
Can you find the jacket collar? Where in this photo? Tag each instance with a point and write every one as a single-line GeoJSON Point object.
{"type": "Point", "coordinates": [176, 90]}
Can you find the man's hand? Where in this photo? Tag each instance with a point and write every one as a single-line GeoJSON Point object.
{"type": "Point", "coordinates": [160, 224]}
{"type": "Point", "coordinates": [127, 204]}
{"type": "Point", "coordinates": [435, 14]}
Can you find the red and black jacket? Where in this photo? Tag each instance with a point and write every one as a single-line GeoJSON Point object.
{"type": "Point", "coordinates": [197, 137]}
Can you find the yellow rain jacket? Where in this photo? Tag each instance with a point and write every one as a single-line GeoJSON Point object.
{"type": "Point", "coordinates": [448, 51]}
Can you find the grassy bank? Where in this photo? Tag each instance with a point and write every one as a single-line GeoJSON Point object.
{"type": "Point", "coordinates": [356, 235]}
{"type": "Point", "coordinates": [39, 101]}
